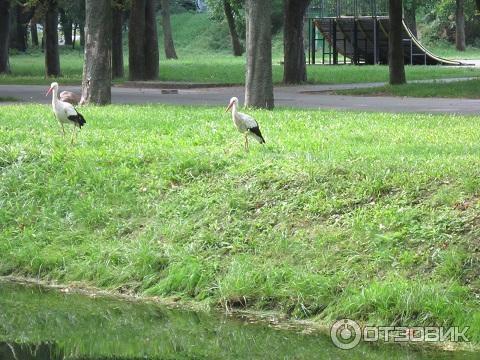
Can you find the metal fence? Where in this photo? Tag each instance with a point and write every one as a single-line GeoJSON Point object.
{"type": "Point", "coordinates": [337, 8]}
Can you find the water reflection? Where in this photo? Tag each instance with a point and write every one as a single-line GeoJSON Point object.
{"type": "Point", "coordinates": [42, 351]}
{"type": "Point", "coordinates": [39, 324]}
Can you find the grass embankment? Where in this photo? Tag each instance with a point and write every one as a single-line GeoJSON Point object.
{"type": "Point", "coordinates": [449, 51]}
{"type": "Point", "coordinates": [7, 99]}
{"type": "Point", "coordinates": [458, 89]}
{"type": "Point", "coordinates": [205, 56]}
{"type": "Point", "coordinates": [368, 216]}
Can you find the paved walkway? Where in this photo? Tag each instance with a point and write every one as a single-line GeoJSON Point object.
{"type": "Point", "coordinates": [305, 96]}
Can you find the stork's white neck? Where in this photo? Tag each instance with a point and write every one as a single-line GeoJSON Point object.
{"type": "Point", "coordinates": [234, 109]}
{"type": "Point", "coordinates": [54, 95]}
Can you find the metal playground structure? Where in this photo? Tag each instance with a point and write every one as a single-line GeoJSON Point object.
{"type": "Point", "coordinates": [356, 32]}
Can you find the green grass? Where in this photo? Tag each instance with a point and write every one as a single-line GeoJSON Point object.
{"type": "Point", "coordinates": [368, 216]}
{"type": "Point", "coordinates": [7, 99]}
{"type": "Point", "coordinates": [203, 48]}
{"type": "Point", "coordinates": [225, 69]}
{"type": "Point", "coordinates": [448, 51]}
{"type": "Point", "coordinates": [461, 89]}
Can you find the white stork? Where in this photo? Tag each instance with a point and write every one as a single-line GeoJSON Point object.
{"type": "Point", "coordinates": [65, 112]}
{"type": "Point", "coordinates": [245, 123]}
{"type": "Point", "coordinates": [70, 97]}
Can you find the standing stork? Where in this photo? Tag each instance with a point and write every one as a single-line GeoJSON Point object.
{"type": "Point", "coordinates": [65, 112]}
{"type": "Point", "coordinates": [245, 123]}
{"type": "Point", "coordinates": [70, 97]}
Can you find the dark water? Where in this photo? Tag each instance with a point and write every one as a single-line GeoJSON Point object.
{"type": "Point", "coordinates": [41, 324]}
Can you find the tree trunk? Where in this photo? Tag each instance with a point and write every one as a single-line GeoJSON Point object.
{"type": "Point", "coordinates": [52, 58]}
{"type": "Point", "coordinates": [236, 45]}
{"type": "Point", "coordinates": [82, 34]}
{"type": "Point", "coordinates": [18, 30]}
{"type": "Point", "coordinates": [4, 35]}
{"type": "Point", "coordinates": [294, 68]}
{"type": "Point", "coordinates": [33, 32]}
{"type": "Point", "coordinates": [21, 30]}
{"type": "Point", "coordinates": [143, 41]}
{"type": "Point", "coordinates": [67, 32]}
{"type": "Point", "coordinates": [151, 41]}
{"type": "Point", "coordinates": [258, 78]}
{"type": "Point", "coordinates": [117, 42]}
{"type": "Point", "coordinates": [136, 41]}
{"type": "Point", "coordinates": [97, 68]}
{"type": "Point", "coordinates": [43, 37]}
{"type": "Point", "coordinates": [74, 37]}
{"type": "Point", "coordinates": [167, 30]}
{"type": "Point", "coordinates": [66, 27]}
{"type": "Point", "coordinates": [411, 17]}
{"type": "Point", "coordinates": [395, 46]}
{"type": "Point", "coordinates": [460, 25]}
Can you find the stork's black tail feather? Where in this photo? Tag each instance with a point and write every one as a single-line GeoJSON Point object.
{"type": "Point", "coordinates": [81, 120]}
{"type": "Point", "coordinates": [257, 134]}
{"type": "Point", "coordinates": [78, 119]}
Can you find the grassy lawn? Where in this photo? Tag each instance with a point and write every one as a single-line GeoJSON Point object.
{"type": "Point", "coordinates": [367, 216]}
{"type": "Point", "coordinates": [461, 89]}
{"type": "Point", "coordinates": [448, 51]}
{"type": "Point", "coordinates": [204, 56]}
{"type": "Point", "coordinates": [223, 69]}
{"type": "Point", "coordinates": [7, 99]}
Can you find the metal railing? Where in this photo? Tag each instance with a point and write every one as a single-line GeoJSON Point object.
{"type": "Point", "coordinates": [338, 8]}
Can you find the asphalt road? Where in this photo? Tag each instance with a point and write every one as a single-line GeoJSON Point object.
{"type": "Point", "coordinates": [312, 96]}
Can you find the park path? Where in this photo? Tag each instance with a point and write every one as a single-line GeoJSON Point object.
{"type": "Point", "coordinates": [305, 96]}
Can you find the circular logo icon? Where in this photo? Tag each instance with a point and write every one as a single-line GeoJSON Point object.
{"type": "Point", "coordinates": [345, 334]}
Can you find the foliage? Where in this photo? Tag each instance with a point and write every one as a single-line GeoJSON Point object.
{"type": "Point", "coordinates": [440, 22]}
{"type": "Point", "coordinates": [205, 56]}
{"type": "Point", "coordinates": [216, 9]}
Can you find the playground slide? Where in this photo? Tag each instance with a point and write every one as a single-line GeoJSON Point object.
{"type": "Point", "coordinates": [440, 60]}
{"type": "Point", "coordinates": [367, 38]}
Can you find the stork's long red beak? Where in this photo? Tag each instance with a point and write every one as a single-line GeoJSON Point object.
{"type": "Point", "coordinates": [229, 106]}
{"type": "Point", "coordinates": [49, 91]}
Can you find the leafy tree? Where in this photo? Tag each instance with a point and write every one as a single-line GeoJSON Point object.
{"type": "Point", "coordinates": [409, 14]}
{"type": "Point", "coordinates": [33, 28]}
{"type": "Point", "coordinates": [75, 12]}
{"type": "Point", "coordinates": [20, 17]}
{"type": "Point", "coordinates": [168, 44]}
{"type": "Point", "coordinates": [395, 46]}
{"type": "Point", "coordinates": [441, 21]}
{"type": "Point", "coordinates": [52, 57]}
{"type": "Point", "coordinates": [293, 45]}
{"type": "Point", "coordinates": [117, 38]}
{"type": "Point", "coordinates": [258, 82]}
{"type": "Point", "coordinates": [230, 16]}
{"type": "Point", "coordinates": [67, 26]}
{"type": "Point", "coordinates": [4, 35]}
{"type": "Point", "coordinates": [143, 41]}
{"type": "Point", "coordinates": [151, 41]}
{"type": "Point", "coordinates": [97, 72]}
{"type": "Point", "coordinates": [233, 12]}
{"type": "Point", "coordinates": [460, 25]}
